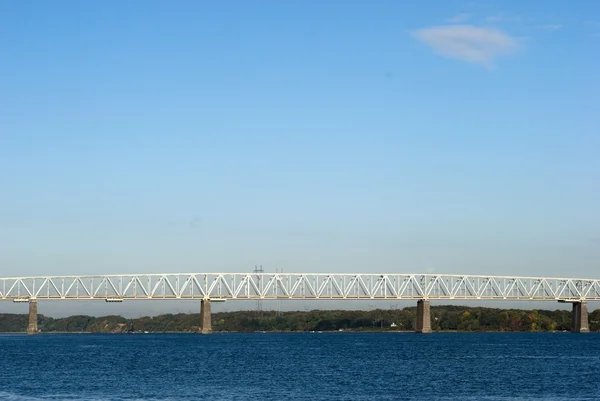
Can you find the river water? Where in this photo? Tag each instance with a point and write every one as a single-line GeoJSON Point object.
{"type": "Point", "coordinates": [301, 366]}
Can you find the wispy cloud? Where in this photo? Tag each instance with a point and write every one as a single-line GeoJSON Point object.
{"type": "Point", "coordinates": [504, 18]}
{"type": "Point", "coordinates": [494, 18]}
{"type": "Point", "coordinates": [196, 222]}
{"type": "Point", "coordinates": [593, 25]}
{"type": "Point", "coordinates": [459, 18]}
{"type": "Point", "coordinates": [468, 43]}
{"type": "Point", "coordinates": [551, 27]}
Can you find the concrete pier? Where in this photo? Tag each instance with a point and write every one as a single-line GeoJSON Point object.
{"type": "Point", "coordinates": [423, 316]}
{"type": "Point", "coordinates": [205, 317]}
{"type": "Point", "coordinates": [579, 322]}
{"type": "Point", "coordinates": [32, 327]}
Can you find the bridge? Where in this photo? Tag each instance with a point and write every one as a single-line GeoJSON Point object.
{"type": "Point", "coordinates": [219, 287]}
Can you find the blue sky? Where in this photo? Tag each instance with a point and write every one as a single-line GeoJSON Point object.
{"type": "Point", "coordinates": [456, 137]}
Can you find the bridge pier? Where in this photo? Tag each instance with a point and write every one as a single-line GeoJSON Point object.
{"type": "Point", "coordinates": [32, 327]}
{"type": "Point", "coordinates": [423, 316]}
{"type": "Point", "coordinates": [205, 317]}
{"type": "Point", "coordinates": [579, 318]}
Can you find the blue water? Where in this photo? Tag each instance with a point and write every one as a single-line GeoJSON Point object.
{"type": "Point", "coordinates": [303, 366]}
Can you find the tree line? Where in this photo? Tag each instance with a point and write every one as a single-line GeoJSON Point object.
{"type": "Point", "coordinates": [443, 318]}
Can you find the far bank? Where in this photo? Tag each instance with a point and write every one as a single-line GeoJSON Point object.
{"type": "Point", "coordinates": [443, 318]}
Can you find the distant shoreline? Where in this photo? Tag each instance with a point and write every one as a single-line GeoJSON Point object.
{"type": "Point", "coordinates": [444, 318]}
{"type": "Point", "coordinates": [282, 332]}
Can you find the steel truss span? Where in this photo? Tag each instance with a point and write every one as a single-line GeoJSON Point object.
{"type": "Point", "coordinates": [231, 286]}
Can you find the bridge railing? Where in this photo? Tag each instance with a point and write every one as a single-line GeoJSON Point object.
{"type": "Point", "coordinates": [297, 286]}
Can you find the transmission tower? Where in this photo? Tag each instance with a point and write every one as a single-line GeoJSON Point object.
{"type": "Point", "coordinates": [278, 311]}
{"type": "Point", "coordinates": [259, 271]}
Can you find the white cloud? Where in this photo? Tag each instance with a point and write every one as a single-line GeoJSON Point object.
{"type": "Point", "coordinates": [459, 18]}
{"type": "Point", "coordinates": [468, 43]}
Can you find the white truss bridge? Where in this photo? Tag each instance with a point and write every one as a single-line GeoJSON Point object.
{"type": "Point", "coordinates": [244, 286]}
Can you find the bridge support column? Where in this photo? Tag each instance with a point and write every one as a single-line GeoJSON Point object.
{"type": "Point", "coordinates": [423, 316]}
{"type": "Point", "coordinates": [32, 327]}
{"type": "Point", "coordinates": [579, 322]}
{"type": "Point", "coordinates": [205, 317]}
